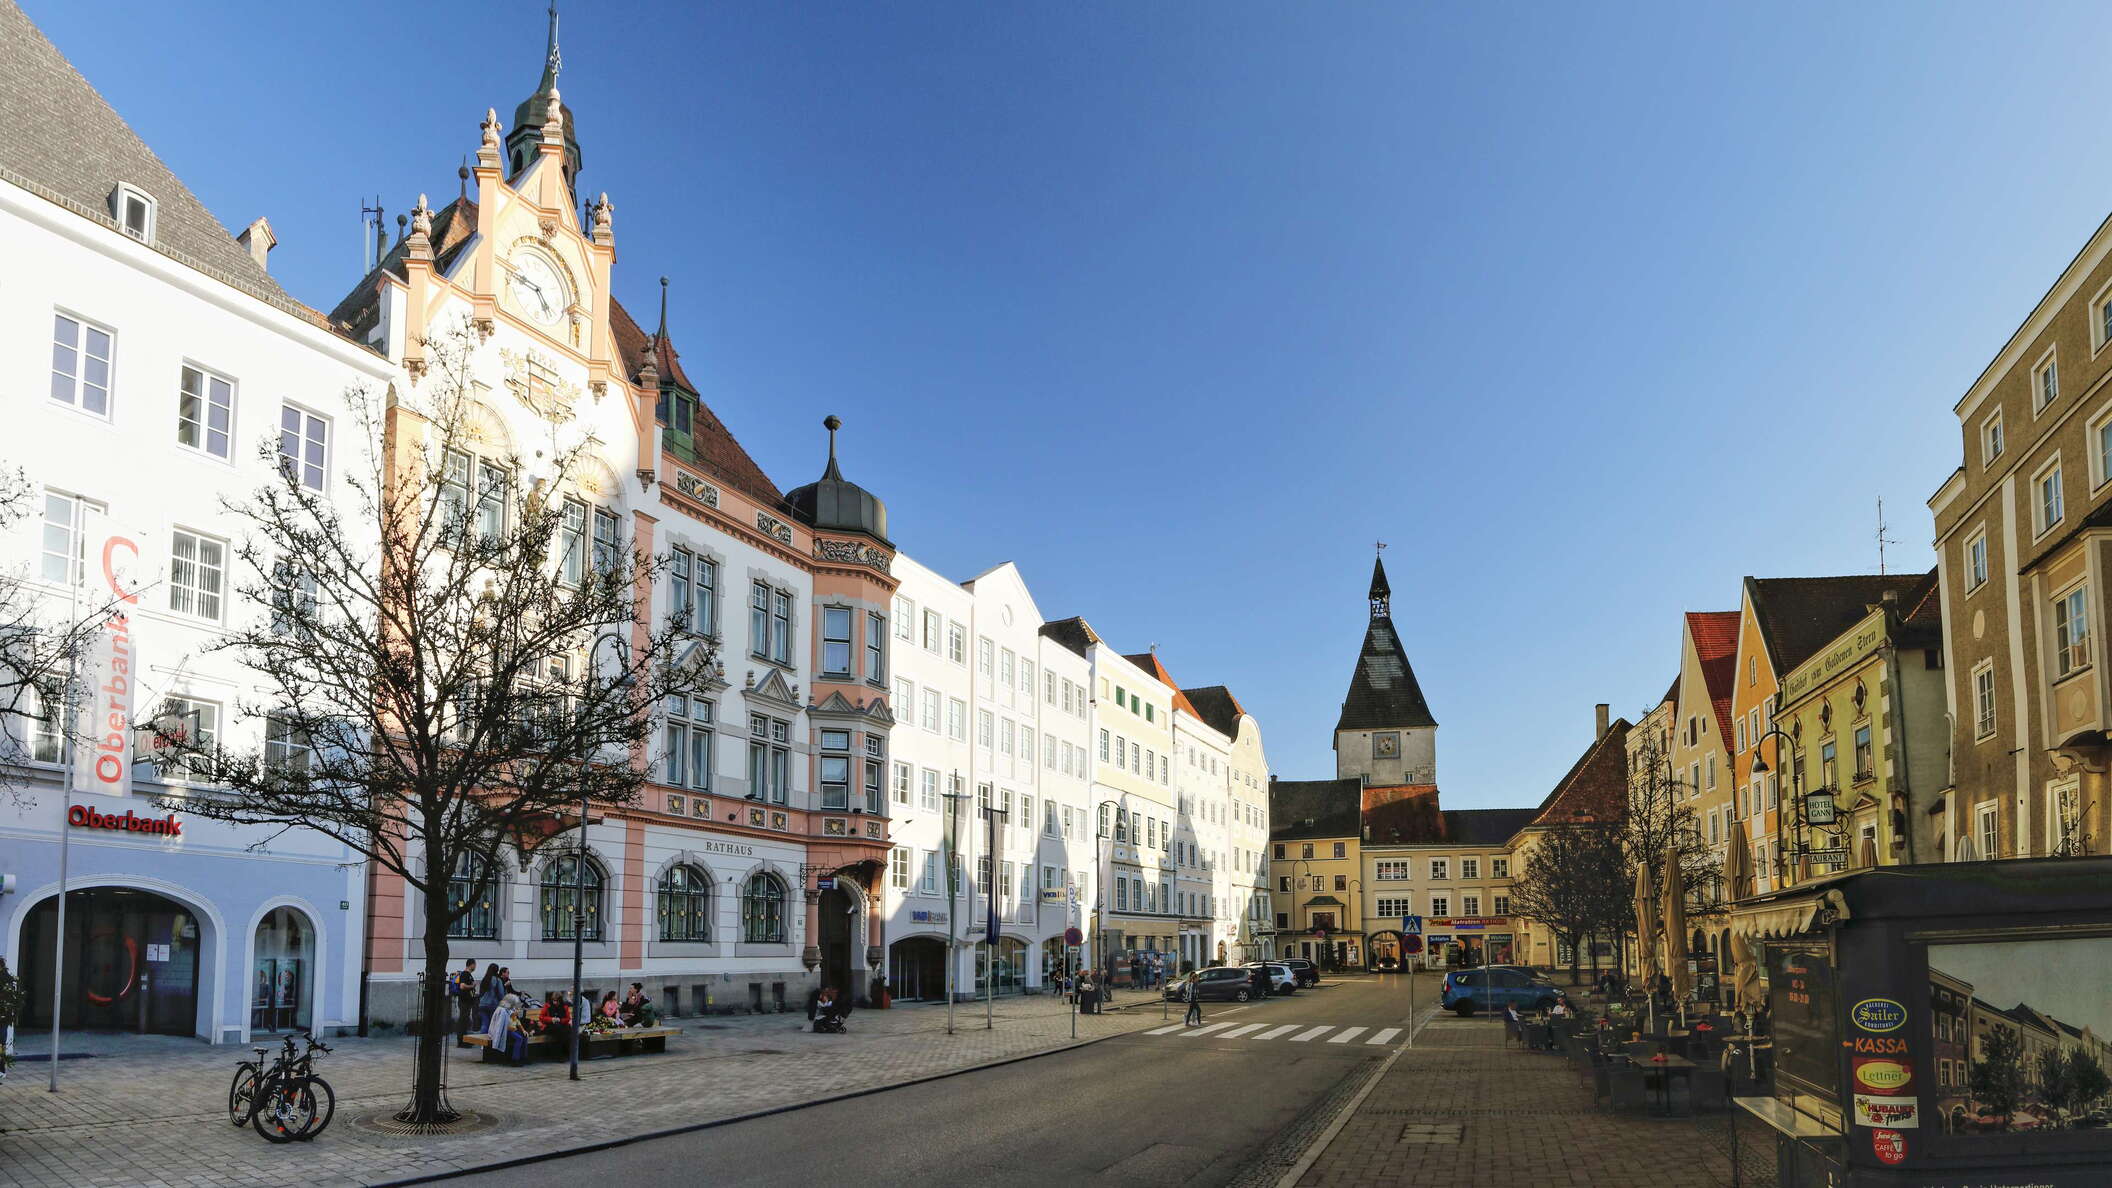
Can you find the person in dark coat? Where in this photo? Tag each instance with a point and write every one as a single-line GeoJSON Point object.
{"type": "Point", "coordinates": [1193, 997]}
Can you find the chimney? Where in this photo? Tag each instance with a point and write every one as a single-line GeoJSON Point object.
{"type": "Point", "coordinates": [1598, 712]}
{"type": "Point", "coordinates": [257, 237]}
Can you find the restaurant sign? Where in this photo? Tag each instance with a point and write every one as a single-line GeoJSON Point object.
{"type": "Point", "coordinates": [1893, 1113]}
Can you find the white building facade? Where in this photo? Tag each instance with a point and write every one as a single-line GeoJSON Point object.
{"type": "Point", "coordinates": [154, 367]}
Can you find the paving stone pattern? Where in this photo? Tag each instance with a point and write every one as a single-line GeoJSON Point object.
{"type": "Point", "coordinates": [152, 1111]}
{"type": "Point", "coordinates": [1462, 1107]}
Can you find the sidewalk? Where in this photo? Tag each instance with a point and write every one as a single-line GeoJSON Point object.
{"type": "Point", "coordinates": [1461, 1107]}
{"type": "Point", "coordinates": [152, 1111]}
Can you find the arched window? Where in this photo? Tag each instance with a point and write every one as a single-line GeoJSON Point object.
{"type": "Point", "coordinates": [763, 910]}
{"type": "Point", "coordinates": [561, 897]}
{"type": "Point", "coordinates": [685, 905]}
{"type": "Point", "coordinates": [481, 921]}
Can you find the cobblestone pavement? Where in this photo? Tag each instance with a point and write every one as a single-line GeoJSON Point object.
{"type": "Point", "coordinates": [1461, 1107]}
{"type": "Point", "coordinates": [149, 1111]}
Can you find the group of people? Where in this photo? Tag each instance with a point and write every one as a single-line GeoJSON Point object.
{"type": "Point", "coordinates": [1147, 970]}
{"type": "Point", "coordinates": [1084, 988]}
{"type": "Point", "coordinates": [507, 1018]}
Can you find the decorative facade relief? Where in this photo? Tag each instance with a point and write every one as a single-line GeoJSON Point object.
{"type": "Point", "coordinates": [696, 488]}
{"type": "Point", "coordinates": [851, 552]}
{"type": "Point", "coordinates": [774, 527]}
{"type": "Point", "coordinates": [533, 379]}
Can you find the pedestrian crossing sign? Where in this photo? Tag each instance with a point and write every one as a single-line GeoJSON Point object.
{"type": "Point", "coordinates": [1412, 925]}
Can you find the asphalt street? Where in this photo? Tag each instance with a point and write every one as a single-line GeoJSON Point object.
{"type": "Point", "coordinates": [1232, 1105]}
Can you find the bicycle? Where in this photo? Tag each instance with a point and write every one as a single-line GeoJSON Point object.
{"type": "Point", "coordinates": [290, 1101]}
{"type": "Point", "coordinates": [243, 1092]}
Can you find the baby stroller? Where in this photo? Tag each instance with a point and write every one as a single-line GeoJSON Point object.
{"type": "Point", "coordinates": [828, 1019]}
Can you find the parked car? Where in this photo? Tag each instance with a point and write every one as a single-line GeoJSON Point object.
{"type": "Point", "coordinates": [1281, 978]}
{"type": "Point", "coordinates": [1219, 983]}
{"type": "Point", "coordinates": [1493, 987]}
{"type": "Point", "coordinates": [1308, 973]}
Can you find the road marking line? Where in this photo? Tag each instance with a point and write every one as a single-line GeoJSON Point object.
{"type": "Point", "coordinates": [1315, 1032]}
{"type": "Point", "coordinates": [1384, 1036]}
{"type": "Point", "coordinates": [1239, 1031]}
{"type": "Point", "coordinates": [1203, 1030]}
{"type": "Point", "coordinates": [1164, 1030]}
{"type": "Point", "coordinates": [1347, 1034]}
{"type": "Point", "coordinates": [1273, 1032]}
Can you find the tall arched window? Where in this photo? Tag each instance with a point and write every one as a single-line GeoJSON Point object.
{"type": "Point", "coordinates": [561, 895]}
{"type": "Point", "coordinates": [763, 910]}
{"type": "Point", "coordinates": [481, 921]}
{"type": "Point", "coordinates": [685, 904]}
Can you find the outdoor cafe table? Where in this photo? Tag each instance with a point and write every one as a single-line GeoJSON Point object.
{"type": "Point", "coordinates": [1666, 1067]}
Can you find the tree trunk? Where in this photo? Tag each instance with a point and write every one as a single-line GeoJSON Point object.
{"type": "Point", "coordinates": [429, 1103]}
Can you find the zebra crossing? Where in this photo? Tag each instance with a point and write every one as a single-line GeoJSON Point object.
{"type": "Point", "coordinates": [1293, 1033]}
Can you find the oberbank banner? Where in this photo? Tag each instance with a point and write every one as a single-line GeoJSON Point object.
{"type": "Point", "coordinates": [109, 672]}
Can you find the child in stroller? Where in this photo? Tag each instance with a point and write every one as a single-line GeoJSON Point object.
{"type": "Point", "coordinates": [829, 1011]}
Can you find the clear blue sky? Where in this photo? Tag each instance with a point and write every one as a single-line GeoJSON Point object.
{"type": "Point", "coordinates": [1588, 312]}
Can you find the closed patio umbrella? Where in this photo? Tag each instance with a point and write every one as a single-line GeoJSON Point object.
{"type": "Point", "coordinates": [1645, 927]}
{"type": "Point", "coordinates": [1675, 913]}
{"type": "Point", "coordinates": [1738, 877]}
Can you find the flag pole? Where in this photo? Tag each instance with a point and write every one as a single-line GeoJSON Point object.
{"type": "Point", "coordinates": [72, 758]}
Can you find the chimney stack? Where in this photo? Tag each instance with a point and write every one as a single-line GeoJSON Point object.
{"type": "Point", "coordinates": [257, 237]}
{"type": "Point", "coordinates": [1599, 712]}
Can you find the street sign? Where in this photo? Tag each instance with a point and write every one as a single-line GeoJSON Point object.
{"type": "Point", "coordinates": [1073, 937]}
{"type": "Point", "coordinates": [1412, 925]}
{"type": "Point", "coordinates": [1412, 944]}
{"type": "Point", "coordinates": [1839, 854]}
{"type": "Point", "coordinates": [825, 883]}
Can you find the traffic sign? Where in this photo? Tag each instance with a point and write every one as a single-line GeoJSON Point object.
{"type": "Point", "coordinates": [1073, 937]}
{"type": "Point", "coordinates": [1412, 925]}
{"type": "Point", "coordinates": [1412, 944]}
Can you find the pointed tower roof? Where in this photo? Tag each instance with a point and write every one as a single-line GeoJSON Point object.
{"type": "Point", "coordinates": [835, 503]}
{"type": "Point", "coordinates": [528, 118]}
{"type": "Point", "coordinates": [1383, 693]}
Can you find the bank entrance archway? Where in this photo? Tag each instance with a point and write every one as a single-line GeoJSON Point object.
{"type": "Point", "coordinates": [131, 963]}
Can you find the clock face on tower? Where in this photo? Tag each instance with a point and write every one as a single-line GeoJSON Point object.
{"type": "Point", "coordinates": [538, 288]}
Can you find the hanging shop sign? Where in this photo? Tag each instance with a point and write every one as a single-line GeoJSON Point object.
{"type": "Point", "coordinates": [1877, 1015]}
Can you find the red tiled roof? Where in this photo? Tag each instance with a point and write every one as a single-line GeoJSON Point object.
{"type": "Point", "coordinates": [1715, 635]}
{"type": "Point", "coordinates": [717, 452]}
{"type": "Point", "coordinates": [1149, 662]}
{"type": "Point", "coordinates": [1596, 787]}
{"type": "Point", "coordinates": [1403, 813]}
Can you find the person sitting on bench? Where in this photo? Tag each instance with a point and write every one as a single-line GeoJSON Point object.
{"type": "Point", "coordinates": [829, 1012]}
{"type": "Point", "coordinates": [637, 1009]}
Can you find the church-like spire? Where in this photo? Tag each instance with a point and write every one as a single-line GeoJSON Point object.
{"type": "Point", "coordinates": [552, 60]}
{"type": "Point", "coordinates": [1383, 691]}
{"type": "Point", "coordinates": [523, 143]}
{"type": "Point", "coordinates": [1381, 593]}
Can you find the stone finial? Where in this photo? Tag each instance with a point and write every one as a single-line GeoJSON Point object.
{"type": "Point", "coordinates": [488, 149]}
{"type": "Point", "coordinates": [419, 244]}
{"type": "Point", "coordinates": [601, 219]}
{"type": "Point", "coordinates": [554, 118]}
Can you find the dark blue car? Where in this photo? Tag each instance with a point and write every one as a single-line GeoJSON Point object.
{"type": "Point", "coordinates": [1493, 987]}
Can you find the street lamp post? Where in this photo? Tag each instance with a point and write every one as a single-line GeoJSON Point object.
{"type": "Point", "coordinates": [579, 893]}
{"type": "Point", "coordinates": [953, 891]}
{"type": "Point", "coordinates": [1816, 808]}
{"type": "Point", "coordinates": [1356, 890]}
{"type": "Point", "coordinates": [1110, 832]}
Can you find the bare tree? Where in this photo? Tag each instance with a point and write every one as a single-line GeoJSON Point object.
{"type": "Point", "coordinates": [448, 665]}
{"type": "Point", "coordinates": [1660, 821]}
{"type": "Point", "coordinates": [1571, 883]}
{"type": "Point", "coordinates": [42, 639]}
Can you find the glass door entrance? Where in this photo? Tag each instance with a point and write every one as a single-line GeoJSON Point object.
{"type": "Point", "coordinates": [130, 964]}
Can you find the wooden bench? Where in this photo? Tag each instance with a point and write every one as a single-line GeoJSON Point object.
{"type": "Point", "coordinates": [630, 1041]}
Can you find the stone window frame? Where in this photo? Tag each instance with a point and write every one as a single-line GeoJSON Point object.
{"type": "Point", "coordinates": [1976, 576]}
{"type": "Point", "coordinates": [1993, 715]}
{"type": "Point", "coordinates": [2046, 366]}
{"type": "Point", "coordinates": [1993, 439]}
{"type": "Point", "coordinates": [2041, 522]}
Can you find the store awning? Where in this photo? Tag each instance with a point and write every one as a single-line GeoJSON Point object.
{"type": "Point", "coordinates": [1775, 918]}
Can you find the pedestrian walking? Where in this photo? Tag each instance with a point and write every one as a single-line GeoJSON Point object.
{"type": "Point", "coordinates": [1189, 995]}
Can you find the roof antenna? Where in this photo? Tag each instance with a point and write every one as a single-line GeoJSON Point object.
{"type": "Point", "coordinates": [369, 216]}
{"type": "Point", "coordinates": [1882, 539]}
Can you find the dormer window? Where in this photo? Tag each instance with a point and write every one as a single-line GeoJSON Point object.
{"type": "Point", "coordinates": [133, 208]}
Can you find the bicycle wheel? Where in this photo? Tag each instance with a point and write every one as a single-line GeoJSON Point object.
{"type": "Point", "coordinates": [241, 1093]}
{"type": "Point", "coordinates": [326, 1106]}
{"type": "Point", "coordinates": [287, 1108]}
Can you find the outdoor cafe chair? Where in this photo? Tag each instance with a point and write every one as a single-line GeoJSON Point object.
{"type": "Point", "coordinates": [1627, 1090]}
